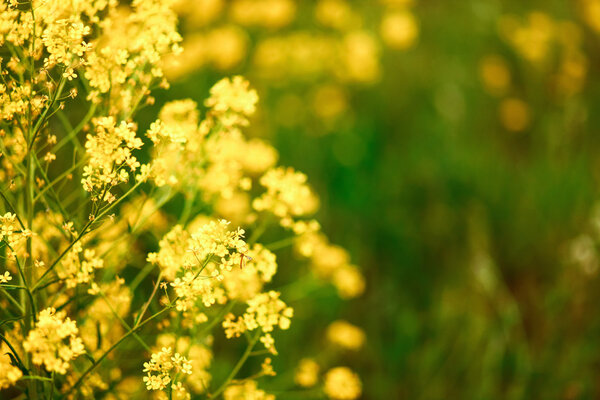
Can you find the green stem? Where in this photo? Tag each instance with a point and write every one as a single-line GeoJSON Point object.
{"type": "Point", "coordinates": [12, 208]}
{"type": "Point", "coordinates": [75, 130]}
{"type": "Point", "coordinates": [12, 349]}
{"type": "Point", "coordinates": [13, 301]}
{"type": "Point", "coordinates": [122, 321]}
{"type": "Point", "coordinates": [147, 304]}
{"type": "Point", "coordinates": [281, 243]}
{"type": "Point", "coordinates": [217, 319]}
{"type": "Point", "coordinates": [238, 366]}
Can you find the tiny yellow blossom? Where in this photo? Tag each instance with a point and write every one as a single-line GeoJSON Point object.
{"type": "Point", "coordinates": [4, 278]}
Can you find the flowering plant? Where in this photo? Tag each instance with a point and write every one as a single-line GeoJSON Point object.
{"type": "Point", "coordinates": [115, 241]}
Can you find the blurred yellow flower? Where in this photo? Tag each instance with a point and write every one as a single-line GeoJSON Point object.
{"type": "Point", "coordinates": [399, 29]}
{"type": "Point", "coordinates": [494, 74]}
{"type": "Point", "coordinates": [342, 384]}
{"type": "Point", "coordinates": [307, 373]}
{"type": "Point", "coordinates": [515, 114]}
{"type": "Point", "coordinates": [346, 335]}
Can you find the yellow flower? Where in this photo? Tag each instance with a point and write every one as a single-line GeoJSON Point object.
{"type": "Point", "coordinates": [163, 367]}
{"type": "Point", "coordinates": [345, 335]}
{"type": "Point", "coordinates": [9, 374]}
{"type": "Point", "coordinates": [287, 195]}
{"type": "Point", "coordinates": [307, 373]}
{"type": "Point", "coordinates": [515, 115]}
{"type": "Point", "coordinates": [4, 278]}
{"type": "Point", "coordinates": [342, 384]}
{"type": "Point", "coordinates": [399, 29]}
{"type": "Point", "coordinates": [495, 74]}
{"type": "Point", "coordinates": [265, 311]}
{"type": "Point", "coordinates": [53, 342]}
{"type": "Point", "coordinates": [247, 389]}
{"type": "Point", "coordinates": [232, 95]}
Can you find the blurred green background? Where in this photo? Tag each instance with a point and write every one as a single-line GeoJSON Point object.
{"type": "Point", "coordinates": [467, 199]}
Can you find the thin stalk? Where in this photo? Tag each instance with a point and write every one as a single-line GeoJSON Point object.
{"type": "Point", "coordinates": [76, 130]}
{"type": "Point", "coordinates": [13, 301]}
{"type": "Point", "coordinates": [237, 367]}
{"type": "Point", "coordinates": [147, 304]}
{"type": "Point", "coordinates": [122, 321]}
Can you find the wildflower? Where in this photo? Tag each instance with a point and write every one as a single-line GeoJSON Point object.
{"type": "Point", "coordinates": [49, 157]}
{"type": "Point", "coordinates": [361, 57]}
{"type": "Point", "coordinates": [514, 114]}
{"type": "Point", "coordinates": [345, 335]}
{"type": "Point", "coordinates": [180, 252]}
{"type": "Point", "coordinates": [287, 195]}
{"type": "Point", "coordinates": [232, 95]}
{"type": "Point", "coordinates": [9, 374]}
{"type": "Point", "coordinates": [349, 282]}
{"type": "Point", "coordinates": [69, 74]}
{"type": "Point", "coordinates": [110, 154]}
{"type": "Point", "coordinates": [265, 311]}
{"type": "Point", "coordinates": [399, 29]}
{"type": "Point", "coordinates": [53, 342]}
{"type": "Point", "coordinates": [247, 389]}
{"type": "Point", "coordinates": [337, 14]}
{"type": "Point", "coordinates": [260, 266]}
{"type": "Point", "coordinates": [495, 74]}
{"type": "Point", "coordinates": [189, 288]}
{"type": "Point", "coordinates": [4, 278]}
{"type": "Point", "coordinates": [78, 265]}
{"type": "Point", "coordinates": [307, 373]}
{"type": "Point", "coordinates": [11, 232]}
{"type": "Point", "coordinates": [342, 384]}
{"type": "Point", "coordinates": [268, 13]}
{"type": "Point", "coordinates": [162, 366]}
{"type": "Point", "coordinates": [266, 368]}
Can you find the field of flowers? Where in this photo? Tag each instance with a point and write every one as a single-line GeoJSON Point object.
{"type": "Point", "coordinates": [278, 199]}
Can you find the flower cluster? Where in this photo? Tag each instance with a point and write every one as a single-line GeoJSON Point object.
{"type": "Point", "coordinates": [83, 254]}
{"type": "Point", "coordinates": [232, 100]}
{"type": "Point", "coordinates": [79, 265]}
{"type": "Point", "coordinates": [287, 195]}
{"type": "Point", "coordinates": [211, 155]}
{"type": "Point", "coordinates": [12, 233]}
{"type": "Point", "coordinates": [180, 251]}
{"type": "Point", "coordinates": [110, 156]}
{"type": "Point", "coordinates": [331, 262]}
{"type": "Point", "coordinates": [246, 390]}
{"type": "Point", "coordinates": [54, 342]}
{"type": "Point", "coordinates": [163, 367]}
{"type": "Point", "coordinates": [9, 373]}
{"type": "Point", "coordinates": [257, 268]}
{"type": "Point", "coordinates": [265, 311]}
{"type": "Point", "coordinates": [123, 70]}
{"type": "Point", "coordinates": [199, 355]}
